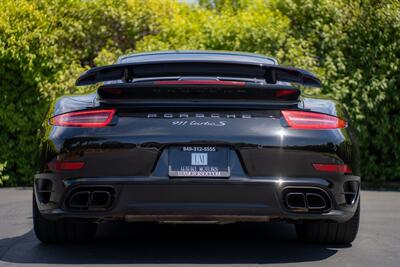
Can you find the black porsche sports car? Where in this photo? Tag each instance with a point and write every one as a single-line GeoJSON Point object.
{"type": "Point", "coordinates": [197, 137]}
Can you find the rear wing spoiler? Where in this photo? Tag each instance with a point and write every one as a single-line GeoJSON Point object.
{"type": "Point", "coordinates": [126, 72]}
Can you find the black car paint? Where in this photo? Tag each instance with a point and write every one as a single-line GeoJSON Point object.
{"type": "Point", "coordinates": [131, 155]}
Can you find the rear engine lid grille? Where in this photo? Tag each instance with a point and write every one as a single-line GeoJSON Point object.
{"type": "Point", "coordinates": [190, 90]}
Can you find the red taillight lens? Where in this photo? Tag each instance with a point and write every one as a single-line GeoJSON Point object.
{"type": "Point", "coordinates": [200, 82]}
{"type": "Point", "coordinates": [285, 92]}
{"type": "Point", "coordinates": [90, 118]}
{"type": "Point", "coordinates": [312, 121]}
{"type": "Point", "coordinates": [66, 165]}
{"type": "Point", "coordinates": [332, 167]}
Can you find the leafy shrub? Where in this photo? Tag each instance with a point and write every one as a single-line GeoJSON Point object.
{"type": "Point", "coordinates": [354, 46]}
{"type": "Point", "coordinates": [358, 47]}
{"type": "Point", "coordinates": [44, 45]}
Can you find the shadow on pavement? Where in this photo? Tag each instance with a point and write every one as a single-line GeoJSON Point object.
{"type": "Point", "coordinates": [123, 243]}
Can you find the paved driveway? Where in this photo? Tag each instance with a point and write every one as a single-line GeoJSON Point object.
{"type": "Point", "coordinates": [378, 242]}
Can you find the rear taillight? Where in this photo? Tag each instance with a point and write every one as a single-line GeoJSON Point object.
{"type": "Point", "coordinates": [332, 167]}
{"type": "Point", "coordinates": [200, 82]}
{"type": "Point", "coordinates": [312, 121]}
{"type": "Point", "coordinates": [90, 118]}
{"type": "Point", "coordinates": [286, 92]}
{"type": "Point", "coordinates": [66, 165]}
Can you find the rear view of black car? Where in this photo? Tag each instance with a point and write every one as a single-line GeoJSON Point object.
{"type": "Point", "coordinates": [196, 136]}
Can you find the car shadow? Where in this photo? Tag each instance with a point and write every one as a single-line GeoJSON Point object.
{"type": "Point", "coordinates": [123, 243]}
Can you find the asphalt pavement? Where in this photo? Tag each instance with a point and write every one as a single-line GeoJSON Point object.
{"type": "Point", "coordinates": [118, 244]}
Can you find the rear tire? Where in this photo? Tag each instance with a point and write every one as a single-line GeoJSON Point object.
{"type": "Point", "coordinates": [330, 232]}
{"type": "Point", "coordinates": [62, 230]}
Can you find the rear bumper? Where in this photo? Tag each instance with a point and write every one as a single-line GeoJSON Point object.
{"type": "Point", "coordinates": [221, 200]}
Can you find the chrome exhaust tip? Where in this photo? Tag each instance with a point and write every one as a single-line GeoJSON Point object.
{"type": "Point", "coordinates": [315, 201]}
{"type": "Point", "coordinates": [91, 198]}
{"type": "Point", "coordinates": [100, 199]}
{"type": "Point", "coordinates": [306, 199]}
{"type": "Point", "coordinates": [296, 200]}
{"type": "Point", "coordinates": [79, 199]}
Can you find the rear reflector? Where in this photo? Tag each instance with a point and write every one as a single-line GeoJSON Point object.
{"type": "Point", "coordinates": [90, 118]}
{"type": "Point", "coordinates": [285, 92]}
{"type": "Point", "coordinates": [66, 165]}
{"type": "Point", "coordinates": [312, 121]}
{"type": "Point", "coordinates": [200, 82]}
{"type": "Point", "coordinates": [344, 168]}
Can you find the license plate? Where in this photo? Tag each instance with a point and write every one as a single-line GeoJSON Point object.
{"type": "Point", "coordinates": [199, 161]}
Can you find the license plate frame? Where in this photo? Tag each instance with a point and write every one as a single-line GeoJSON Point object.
{"type": "Point", "coordinates": [199, 162]}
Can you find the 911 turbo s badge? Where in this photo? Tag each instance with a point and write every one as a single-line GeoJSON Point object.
{"type": "Point", "coordinates": [199, 123]}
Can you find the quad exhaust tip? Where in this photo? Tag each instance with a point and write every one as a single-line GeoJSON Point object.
{"type": "Point", "coordinates": [315, 201]}
{"type": "Point", "coordinates": [79, 199]}
{"type": "Point", "coordinates": [306, 199]}
{"type": "Point", "coordinates": [296, 200]}
{"type": "Point", "coordinates": [91, 198]}
{"type": "Point", "coordinates": [100, 199]}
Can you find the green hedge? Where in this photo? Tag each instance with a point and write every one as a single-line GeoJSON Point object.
{"type": "Point", "coordinates": [354, 46]}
